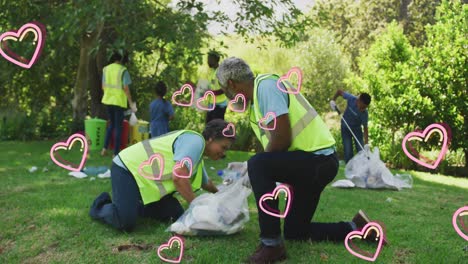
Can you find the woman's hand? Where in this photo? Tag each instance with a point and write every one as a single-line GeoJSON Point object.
{"type": "Point", "coordinates": [210, 187]}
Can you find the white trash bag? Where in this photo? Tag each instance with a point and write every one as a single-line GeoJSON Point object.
{"type": "Point", "coordinates": [133, 119]}
{"type": "Point", "coordinates": [366, 170]}
{"type": "Point", "coordinates": [221, 213]}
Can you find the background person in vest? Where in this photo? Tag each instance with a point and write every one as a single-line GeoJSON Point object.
{"type": "Point", "coordinates": [299, 151]}
{"type": "Point", "coordinates": [356, 115]}
{"type": "Point", "coordinates": [220, 98]}
{"type": "Point", "coordinates": [161, 111]}
{"type": "Point", "coordinates": [137, 196]}
{"type": "Point", "coordinates": [115, 82]}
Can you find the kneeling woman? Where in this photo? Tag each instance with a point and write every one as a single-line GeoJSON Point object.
{"type": "Point", "coordinates": [146, 175]}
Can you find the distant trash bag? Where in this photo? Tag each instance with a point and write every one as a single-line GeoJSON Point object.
{"type": "Point", "coordinates": [366, 170]}
{"type": "Point", "coordinates": [133, 120]}
{"type": "Point", "coordinates": [222, 213]}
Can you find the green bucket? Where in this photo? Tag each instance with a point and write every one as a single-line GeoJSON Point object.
{"type": "Point", "coordinates": [95, 130]}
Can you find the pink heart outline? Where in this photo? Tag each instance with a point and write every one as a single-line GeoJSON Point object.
{"type": "Point", "coordinates": [204, 97]}
{"type": "Point", "coordinates": [180, 91]}
{"type": "Point", "coordinates": [169, 245]}
{"type": "Point", "coordinates": [149, 162]}
{"type": "Point", "coordinates": [455, 225]}
{"type": "Point", "coordinates": [293, 71]}
{"type": "Point", "coordinates": [180, 164]}
{"type": "Point", "coordinates": [360, 233]}
{"type": "Point", "coordinates": [263, 119]}
{"type": "Point", "coordinates": [67, 145]}
{"type": "Point", "coordinates": [26, 28]}
{"type": "Point", "coordinates": [229, 126]}
{"type": "Point", "coordinates": [425, 134]}
{"type": "Point", "coordinates": [269, 196]}
{"type": "Point", "coordinates": [233, 101]}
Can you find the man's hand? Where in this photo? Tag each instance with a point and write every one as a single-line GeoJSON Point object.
{"type": "Point", "coordinates": [333, 105]}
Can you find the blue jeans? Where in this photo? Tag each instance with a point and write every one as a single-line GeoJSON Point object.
{"type": "Point", "coordinates": [348, 141]}
{"type": "Point", "coordinates": [126, 206]}
{"type": "Point", "coordinates": [116, 117]}
{"type": "Point", "coordinates": [307, 174]}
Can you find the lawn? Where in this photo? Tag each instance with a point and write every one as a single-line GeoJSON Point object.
{"type": "Point", "coordinates": [44, 219]}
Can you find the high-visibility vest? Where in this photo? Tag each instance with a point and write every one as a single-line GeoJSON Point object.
{"type": "Point", "coordinates": [113, 86]}
{"type": "Point", "coordinates": [153, 190]}
{"type": "Point", "coordinates": [220, 97]}
{"type": "Point", "coordinates": [309, 132]}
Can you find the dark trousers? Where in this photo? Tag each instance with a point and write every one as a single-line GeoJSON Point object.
{"type": "Point", "coordinates": [116, 117]}
{"type": "Point", "coordinates": [307, 174]}
{"type": "Point", "coordinates": [348, 141]}
{"type": "Point", "coordinates": [217, 113]}
{"type": "Point", "coordinates": [126, 206]}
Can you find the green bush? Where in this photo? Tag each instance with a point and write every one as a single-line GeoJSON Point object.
{"type": "Point", "coordinates": [16, 125]}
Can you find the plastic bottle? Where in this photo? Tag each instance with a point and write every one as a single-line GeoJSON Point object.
{"type": "Point", "coordinates": [228, 176]}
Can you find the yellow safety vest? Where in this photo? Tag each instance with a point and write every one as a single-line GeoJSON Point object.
{"type": "Point", "coordinates": [220, 97]}
{"type": "Point", "coordinates": [309, 132]}
{"type": "Point", "coordinates": [113, 86]}
{"type": "Point", "coordinates": [154, 190]}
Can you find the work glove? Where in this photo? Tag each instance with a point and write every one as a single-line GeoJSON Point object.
{"type": "Point", "coordinates": [133, 107]}
{"type": "Point", "coordinates": [333, 105]}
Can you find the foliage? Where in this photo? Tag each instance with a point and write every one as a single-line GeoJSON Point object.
{"type": "Point", "coordinates": [324, 67]}
{"type": "Point", "coordinates": [414, 87]}
{"type": "Point", "coordinates": [164, 42]}
{"type": "Point", "coordinates": [356, 23]}
{"type": "Point", "coordinates": [421, 13]}
{"type": "Point", "coordinates": [441, 70]}
{"type": "Point", "coordinates": [385, 70]}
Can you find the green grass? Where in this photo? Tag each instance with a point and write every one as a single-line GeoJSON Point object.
{"type": "Point", "coordinates": [44, 219]}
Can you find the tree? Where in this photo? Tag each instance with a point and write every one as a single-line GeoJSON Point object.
{"type": "Point", "coordinates": [356, 23]}
{"type": "Point", "coordinates": [324, 66]}
{"type": "Point", "coordinates": [396, 105]}
{"type": "Point", "coordinates": [420, 14]}
{"type": "Point", "coordinates": [166, 41]}
{"type": "Point", "coordinates": [441, 70]}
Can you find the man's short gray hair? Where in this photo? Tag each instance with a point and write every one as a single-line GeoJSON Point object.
{"type": "Point", "coordinates": [234, 69]}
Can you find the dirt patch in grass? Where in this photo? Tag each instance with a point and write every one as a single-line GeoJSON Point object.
{"type": "Point", "coordinates": [402, 256]}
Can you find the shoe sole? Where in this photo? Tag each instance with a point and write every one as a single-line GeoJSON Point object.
{"type": "Point", "coordinates": [364, 219]}
{"type": "Point", "coordinates": [367, 219]}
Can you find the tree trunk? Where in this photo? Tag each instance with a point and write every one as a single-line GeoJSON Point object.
{"type": "Point", "coordinates": [87, 77]}
{"type": "Point", "coordinates": [403, 16]}
{"type": "Point", "coordinates": [465, 148]}
{"type": "Point", "coordinates": [80, 99]}
{"type": "Point", "coordinates": [97, 109]}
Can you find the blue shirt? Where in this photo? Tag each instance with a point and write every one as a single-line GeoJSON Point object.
{"type": "Point", "coordinates": [126, 78]}
{"type": "Point", "coordinates": [186, 145]}
{"type": "Point", "coordinates": [160, 111]}
{"type": "Point", "coordinates": [352, 115]}
{"type": "Point", "coordinates": [190, 145]}
{"type": "Point", "coordinates": [272, 99]}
